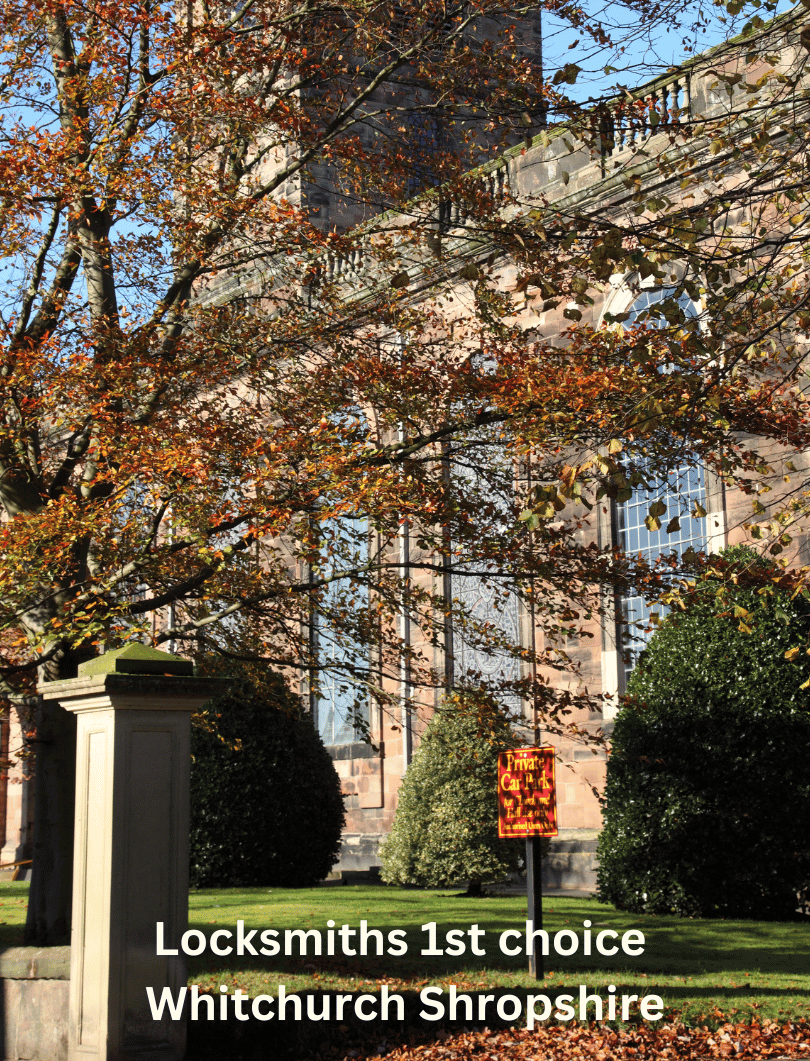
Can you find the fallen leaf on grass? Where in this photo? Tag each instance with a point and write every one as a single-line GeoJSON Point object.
{"type": "Point", "coordinates": [748, 1042]}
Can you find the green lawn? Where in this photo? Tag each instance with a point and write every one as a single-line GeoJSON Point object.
{"type": "Point", "coordinates": [741, 968]}
{"type": "Point", "coordinates": [13, 904]}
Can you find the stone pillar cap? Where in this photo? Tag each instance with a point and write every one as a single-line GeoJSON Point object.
{"type": "Point", "coordinates": [136, 658]}
{"type": "Point", "coordinates": [137, 676]}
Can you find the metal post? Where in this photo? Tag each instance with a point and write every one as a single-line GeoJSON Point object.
{"type": "Point", "coordinates": [534, 853]}
{"type": "Point", "coordinates": [534, 895]}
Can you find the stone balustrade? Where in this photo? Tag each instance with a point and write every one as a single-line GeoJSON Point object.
{"type": "Point", "coordinates": [624, 122]}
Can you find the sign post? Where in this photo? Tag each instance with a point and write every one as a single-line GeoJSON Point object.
{"type": "Point", "coordinates": [527, 808]}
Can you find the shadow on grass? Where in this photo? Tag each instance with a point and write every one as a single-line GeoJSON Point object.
{"type": "Point", "coordinates": [673, 946]}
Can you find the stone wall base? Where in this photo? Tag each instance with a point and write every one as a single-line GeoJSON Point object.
{"type": "Point", "coordinates": [358, 853]}
{"type": "Point", "coordinates": [570, 864]}
{"type": "Point", "coordinates": [34, 988]}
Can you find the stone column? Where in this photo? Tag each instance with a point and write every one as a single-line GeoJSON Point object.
{"type": "Point", "coordinates": [131, 848]}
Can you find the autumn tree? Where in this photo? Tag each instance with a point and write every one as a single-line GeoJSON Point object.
{"type": "Point", "coordinates": [218, 412]}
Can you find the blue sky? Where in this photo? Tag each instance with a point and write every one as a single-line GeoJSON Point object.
{"type": "Point", "coordinates": [640, 52]}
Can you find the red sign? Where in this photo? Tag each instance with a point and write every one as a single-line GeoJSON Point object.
{"type": "Point", "coordinates": [527, 797]}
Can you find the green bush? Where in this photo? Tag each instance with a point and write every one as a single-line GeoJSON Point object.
{"type": "Point", "coordinates": [707, 800]}
{"type": "Point", "coordinates": [266, 806]}
{"type": "Point", "coordinates": [446, 826]}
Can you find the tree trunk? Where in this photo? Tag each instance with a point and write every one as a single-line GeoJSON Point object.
{"type": "Point", "coordinates": [473, 889]}
{"type": "Point", "coordinates": [50, 896]}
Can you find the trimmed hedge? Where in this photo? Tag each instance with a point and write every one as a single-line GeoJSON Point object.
{"type": "Point", "coordinates": [707, 800]}
{"type": "Point", "coordinates": [446, 825]}
{"type": "Point", "coordinates": [266, 805]}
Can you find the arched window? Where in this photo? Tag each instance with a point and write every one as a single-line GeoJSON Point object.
{"type": "Point", "coordinates": [682, 491]}
{"type": "Point", "coordinates": [339, 607]}
{"type": "Point", "coordinates": [647, 299]}
{"type": "Point", "coordinates": [486, 634]}
{"type": "Point", "coordinates": [341, 703]}
{"type": "Point", "coordinates": [484, 601]}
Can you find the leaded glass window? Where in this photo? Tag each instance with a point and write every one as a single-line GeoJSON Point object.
{"type": "Point", "coordinates": [485, 603]}
{"type": "Point", "coordinates": [341, 704]}
{"type": "Point", "coordinates": [682, 491]}
{"type": "Point", "coordinates": [488, 631]}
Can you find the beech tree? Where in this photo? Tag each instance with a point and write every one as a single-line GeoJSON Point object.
{"type": "Point", "coordinates": [206, 441]}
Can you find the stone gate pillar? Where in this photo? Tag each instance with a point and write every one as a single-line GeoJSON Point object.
{"type": "Point", "coordinates": [131, 847]}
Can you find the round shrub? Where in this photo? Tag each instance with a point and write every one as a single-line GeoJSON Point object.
{"type": "Point", "coordinates": [266, 806]}
{"type": "Point", "coordinates": [707, 800]}
{"type": "Point", "coordinates": [446, 825]}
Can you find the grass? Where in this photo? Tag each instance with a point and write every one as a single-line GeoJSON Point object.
{"type": "Point", "coordinates": [13, 905]}
{"type": "Point", "coordinates": [742, 969]}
